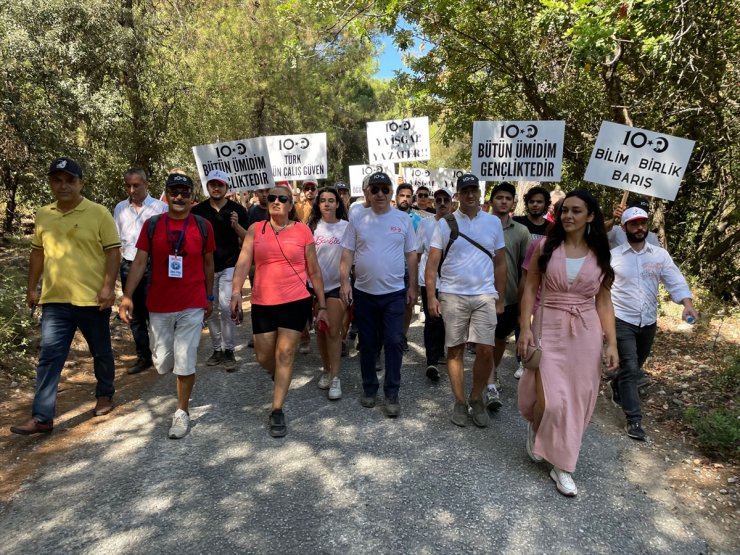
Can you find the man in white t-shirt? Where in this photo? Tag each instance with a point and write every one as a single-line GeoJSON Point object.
{"type": "Point", "coordinates": [472, 273]}
{"type": "Point", "coordinates": [130, 215]}
{"type": "Point", "coordinates": [379, 240]}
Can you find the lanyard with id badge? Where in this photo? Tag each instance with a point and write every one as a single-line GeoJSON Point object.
{"type": "Point", "coordinates": [174, 266]}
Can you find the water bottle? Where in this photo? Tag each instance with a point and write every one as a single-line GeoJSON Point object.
{"type": "Point", "coordinates": [690, 319]}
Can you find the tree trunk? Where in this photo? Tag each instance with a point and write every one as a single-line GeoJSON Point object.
{"type": "Point", "coordinates": [10, 181]}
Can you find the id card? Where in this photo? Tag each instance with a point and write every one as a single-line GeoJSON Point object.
{"type": "Point", "coordinates": [174, 268]}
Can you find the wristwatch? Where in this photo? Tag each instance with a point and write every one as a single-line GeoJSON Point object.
{"type": "Point", "coordinates": [211, 298]}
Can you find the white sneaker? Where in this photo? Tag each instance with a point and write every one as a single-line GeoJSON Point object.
{"type": "Point", "coordinates": [180, 423]}
{"type": "Point", "coordinates": [492, 399]}
{"type": "Point", "coordinates": [335, 391]}
{"type": "Point", "coordinates": [564, 482]}
{"type": "Point", "coordinates": [530, 443]}
{"type": "Point", "coordinates": [519, 371]}
{"type": "Point", "coordinates": [324, 380]}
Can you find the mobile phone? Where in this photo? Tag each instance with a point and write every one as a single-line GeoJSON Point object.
{"type": "Point", "coordinates": [322, 326]}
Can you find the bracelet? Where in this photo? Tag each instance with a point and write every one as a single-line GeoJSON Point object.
{"type": "Point", "coordinates": [211, 298]}
{"type": "Point", "coordinates": [321, 308]}
{"type": "Point", "coordinates": [236, 295]}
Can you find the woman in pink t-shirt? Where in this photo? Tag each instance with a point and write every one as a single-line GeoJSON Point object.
{"type": "Point", "coordinates": [284, 254]}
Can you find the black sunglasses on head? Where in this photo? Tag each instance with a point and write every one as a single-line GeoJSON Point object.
{"type": "Point", "coordinates": [374, 189]}
{"type": "Point", "coordinates": [282, 199]}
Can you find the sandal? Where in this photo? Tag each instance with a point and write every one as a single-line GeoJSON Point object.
{"type": "Point", "coordinates": [278, 426]}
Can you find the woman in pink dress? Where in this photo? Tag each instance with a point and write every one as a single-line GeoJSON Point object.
{"type": "Point", "coordinates": [572, 268]}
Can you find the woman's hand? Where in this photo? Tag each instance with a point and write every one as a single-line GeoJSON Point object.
{"type": "Point", "coordinates": [526, 339]}
{"type": "Point", "coordinates": [323, 316]}
{"type": "Point", "coordinates": [610, 357]}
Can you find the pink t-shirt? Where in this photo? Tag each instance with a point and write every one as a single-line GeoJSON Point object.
{"type": "Point", "coordinates": [280, 264]}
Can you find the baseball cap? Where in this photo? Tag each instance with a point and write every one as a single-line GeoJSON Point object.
{"type": "Point", "coordinates": [467, 180]}
{"type": "Point", "coordinates": [379, 178]}
{"type": "Point", "coordinates": [633, 213]}
{"type": "Point", "coordinates": [281, 184]}
{"type": "Point", "coordinates": [341, 185]}
{"type": "Point", "coordinates": [218, 175]}
{"type": "Point", "coordinates": [178, 180]}
{"type": "Point", "coordinates": [444, 190]}
{"type": "Point", "coordinates": [310, 182]}
{"type": "Point", "coordinates": [640, 203]}
{"type": "Point", "coordinates": [66, 165]}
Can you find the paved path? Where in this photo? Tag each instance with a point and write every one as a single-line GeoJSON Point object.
{"type": "Point", "coordinates": [345, 479]}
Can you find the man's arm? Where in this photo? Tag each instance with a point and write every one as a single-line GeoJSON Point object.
{"type": "Point", "coordinates": [238, 223]}
{"type": "Point", "coordinates": [412, 263]}
{"type": "Point", "coordinates": [208, 267]}
{"type": "Point", "coordinates": [107, 294]}
{"type": "Point", "coordinates": [35, 269]}
{"type": "Point", "coordinates": [499, 276]}
{"type": "Point", "coordinates": [345, 264]}
{"type": "Point", "coordinates": [135, 273]}
{"type": "Point", "coordinates": [430, 280]}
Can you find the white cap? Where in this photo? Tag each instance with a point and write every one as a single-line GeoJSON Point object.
{"type": "Point", "coordinates": [218, 175]}
{"type": "Point", "coordinates": [633, 213]}
{"type": "Point", "coordinates": [444, 190]}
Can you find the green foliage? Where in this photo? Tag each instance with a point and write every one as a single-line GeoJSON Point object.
{"type": "Point", "coordinates": [15, 317]}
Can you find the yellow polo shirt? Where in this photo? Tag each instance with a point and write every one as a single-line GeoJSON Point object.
{"type": "Point", "coordinates": [74, 259]}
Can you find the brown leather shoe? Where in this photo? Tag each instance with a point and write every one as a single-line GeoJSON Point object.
{"type": "Point", "coordinates": [103, 406]}
{"type": "Point", "coordinates": [33, 426]}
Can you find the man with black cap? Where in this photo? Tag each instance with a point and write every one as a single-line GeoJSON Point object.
{"type": "Point", "coordinates": [344, 193]}
{"type": "Point", "coordinates": [470, 246]}
{"type": "Point", "coordinates": [379, 240]}
{"type": "Point", "coordinates": [639, 268]}
{"type": "Point", "coordinates": [230, 223]}
{"type": "Point", "coordinates": [130, 215]}
{"type": "Point", "coordinates": [180, 246]}
{"type": "Point", "coordinates": [76, 248]}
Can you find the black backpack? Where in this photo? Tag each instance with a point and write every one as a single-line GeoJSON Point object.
{"type": "Point", "coordinates": [454, 234]}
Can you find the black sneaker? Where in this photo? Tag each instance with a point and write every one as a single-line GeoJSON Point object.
{"type": "Point", "coordinates": [139, 366]}
{"type": "Point", "coordinates": [278, 426]}
{"type": "Point", "coordinates": [433, 373]}
{"type": "Point", "coordinates": [635, 431]}
{"type": "Point", "coordinates": [228, 360]}
{"type": "Point", "coordinates": [250, 343]}
{"type": "Point", "coordinates": [405, 344]}
{"type": "Point", "coordinates": [215, 359]}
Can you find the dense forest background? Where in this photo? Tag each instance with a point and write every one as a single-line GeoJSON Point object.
{"type": "Point", "coordinates": [115, 83]}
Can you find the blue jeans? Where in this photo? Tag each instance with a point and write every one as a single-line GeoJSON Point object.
{"type": "Point", "coordinates": [140, 318]}
{"type": "Point", "coordinates": [58, 325]}
{"type": "Point", "coordinates": [371, 313]}
{"type": "Point", "coordinates": [634, 344]}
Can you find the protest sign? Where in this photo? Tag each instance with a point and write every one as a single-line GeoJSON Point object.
{"type": "Point", "coordinates": [518, 150]}
{"type": "Point", "coordinates": [400, 140]}
{"type": "Point", "coordinates": [298, 157]}
{"type": "Point", "coordinates": [432, 178]}
{"type": "Point", "coordinates": [638, 160]}
{"type": "Point", "coordinates": [357, 173]}
{"type": "Point", "coordinates": [247, 161]}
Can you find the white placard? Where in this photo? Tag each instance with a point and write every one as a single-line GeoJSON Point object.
{"type": "Point", "coordinates": [432, 178]}
{"type": "Point", "coordinates": [518, 150]}
{"type": "Point", "coordinates": [398, 140]}
{"type": "Point", "coordinates": [247, 161]}
{"type": "Point", "coordinates": [298, 157]}
{"type": "Point", "coordinates": [639, 160]}
{"type": "Point", "coordinates": [358, 173]}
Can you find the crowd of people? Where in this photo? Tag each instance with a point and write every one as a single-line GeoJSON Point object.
{"type": "Point", "coordinates": [579, 287]}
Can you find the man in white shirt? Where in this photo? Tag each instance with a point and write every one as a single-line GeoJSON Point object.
{"type": "Point", "coordinates": [379, 240]}
{"type": "Point", "coordinates": [130, 215]}
{"type": "Point", "coordinates": [639, 267]}
{"type": "Point", "coordinates": [472, 281]}
{"type": "Point", "coordinates": [615, 233]}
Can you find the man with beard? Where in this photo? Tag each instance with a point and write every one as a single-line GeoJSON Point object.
{"type": "Point", "coordinates": [639, 267]}
{"type": "Point", "coordinates": [230, 223]}
{"type": "Point", "coordinates": [303, 208]}
{"type": "Point", "coordinates": [536, 202]}
{"type": "Point", "coordinates": [424, 202]}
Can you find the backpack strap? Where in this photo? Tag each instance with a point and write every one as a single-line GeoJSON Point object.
{"type": "Point", "coordinates": [454, 234]}
{"type": "Point", "coordinates": [199, 221]}
{"type": "Point", "coordinates": [151, 225]}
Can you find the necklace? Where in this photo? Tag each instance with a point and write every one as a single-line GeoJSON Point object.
{"type": "Point", "coordinates": [276, 231]}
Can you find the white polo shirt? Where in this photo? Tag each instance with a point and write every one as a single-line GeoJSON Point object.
{"type": "Point", "coordinates": [129, 222]}
{"type": "Point", "coordinates": [466, 269]}
{"type": "Point", "coordinates": [636, 278]}
{"type": "Point", "coordinates": [380, 243]}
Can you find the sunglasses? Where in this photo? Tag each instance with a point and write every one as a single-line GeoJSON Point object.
{"type": "Point", "coordinates": [422, 195]}
{"type": "Point", "coordinates": [309, 188]}
{"type": "Point", "coordinates": [282, 199]}
{"type": "Point", "coordinates": [180, 193]}
{"type": "Point", "coordinates": [442, 200]}
{"type": "Point", "coordinates": [374, 189]}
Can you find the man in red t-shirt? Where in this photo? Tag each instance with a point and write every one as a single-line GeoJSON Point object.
{"type": "Point", "coordinates": [179, 298]}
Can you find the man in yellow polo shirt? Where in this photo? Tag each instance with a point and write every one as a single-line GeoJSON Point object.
{"type": "Point", "coordinates": [76, 248]}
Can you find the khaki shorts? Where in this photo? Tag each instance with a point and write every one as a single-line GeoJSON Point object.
{"type": "Point", "coordinates": [175, 338]}
{"type": "Point", "coordinates": [468, 318]}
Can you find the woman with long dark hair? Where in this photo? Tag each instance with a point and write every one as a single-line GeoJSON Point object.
{"type": "Point", "coordinates": [327, 221]}
{"type": "Point", "coordinates": [284, 253]}
{"type": "Point", "coordinates": [572, 270]}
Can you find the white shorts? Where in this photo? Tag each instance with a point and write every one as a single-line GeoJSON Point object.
{"type": "Point", "coordinates": [175, 337]}
{"type": "Point", "coordinates": [468, 318]}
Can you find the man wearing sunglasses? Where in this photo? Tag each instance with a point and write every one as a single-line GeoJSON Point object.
{"type": "Point", "coordinates": [229, 220]}
{"type": "Point", "coordinates": [303, 208]}
{"type": "Point", "coordinates": [181, 249]}
{"type": "Point", "coordinates": [424, 201]}
{"type": "Point", "coordinates": [381, 242]}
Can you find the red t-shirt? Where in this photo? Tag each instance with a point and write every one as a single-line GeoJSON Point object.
{"type": "Point", "coordinates": [277, 280]}
{"type": "Point", "coordinates": [166, 294]}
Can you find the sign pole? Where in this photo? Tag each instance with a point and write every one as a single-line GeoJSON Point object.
{"type": "Point", "coordinates": [625, 196]}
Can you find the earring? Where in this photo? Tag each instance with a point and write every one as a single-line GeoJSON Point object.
{"type": "Point", "coordinates": [588, 229]}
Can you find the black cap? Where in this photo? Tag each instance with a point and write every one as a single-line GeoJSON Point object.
{"type": "Point", "coordinates": [178, 180]}
{"type": "Point", "coordinates": [506, 187]}
{"type": "Point", "coordinates": [640, 203]}
{"type": "Point", "coordinates": [66, 165]}
{"type": "Point", "coordinates": [467, 180]}
{"type": "Point", "coordinates": [341, 185]}
{"type": "Point", "coordinates": [379, 178]}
